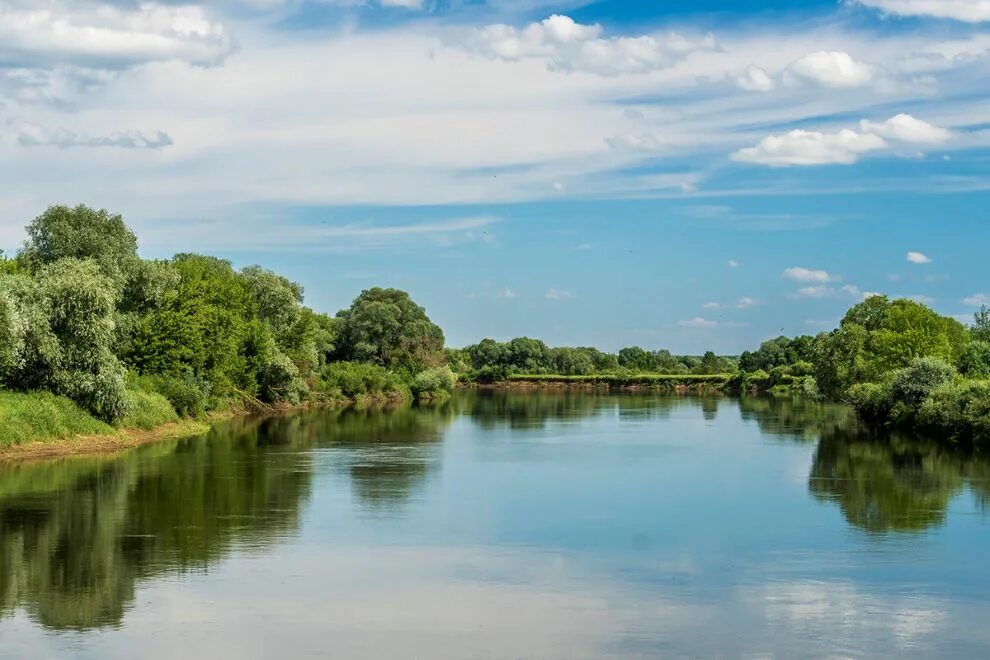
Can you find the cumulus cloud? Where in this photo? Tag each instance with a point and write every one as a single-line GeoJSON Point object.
{"type": "Point", "coordinates": [557, 294]}
{"type": "Point", "coordinates": [569, 46]}
{"type": "Point", "coordinates": [905, 128]}
{"type": "Point", "coordinates": [755, 79]}
{"type": "Point", "coordinates": [698, 322]}
{"type": "Point", "coordinates": [831, 69]}
{"type": "Point", "coordinates": [969, 11]}
{"type": "Point", "coordinates": [508, 294]}
{"type": "Point", "coordinates": [799, 274]}
{"type": "Point", "coordinates": [918, 258]}
{"type": "Point", "coordinates": [747, 302]}
{"type": "Point", "coordinates": [32, 135]}
{"type": "Point", "coordinates": [801, 147]}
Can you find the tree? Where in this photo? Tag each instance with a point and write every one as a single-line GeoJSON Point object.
{"type": "Point", "coordinates": [386, 327]}
{"type": "Point", "coordinates": [81, 302]}
{"type": "Point", "coordinates": [981, 324]}
{"type": "Point", "coordinates": [81, 233]}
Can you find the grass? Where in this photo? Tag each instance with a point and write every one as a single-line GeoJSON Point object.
{"type": "Point", "coordinates": [619, 379]}
{"type": "Point", "coordinates": [43, 416]}
{"type": "Point", "coordinates": [147, 410]}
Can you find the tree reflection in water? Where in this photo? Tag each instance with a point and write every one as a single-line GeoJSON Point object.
{"type": "Point", "coordinates": [78, 535]}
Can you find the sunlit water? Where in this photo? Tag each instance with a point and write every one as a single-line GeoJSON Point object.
{"type": "Point", "coordinates": [503, 526]}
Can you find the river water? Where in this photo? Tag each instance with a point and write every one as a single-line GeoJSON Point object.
{"type": "Point", "coordinates": [504, 525]}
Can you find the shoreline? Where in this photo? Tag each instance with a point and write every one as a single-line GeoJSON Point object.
{"type": "Point", "coordinates": [123, 439]}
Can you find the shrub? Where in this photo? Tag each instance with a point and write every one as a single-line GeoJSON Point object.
{"type": "Point", "coordinates": [961, 409]}
{"type": "Point", "coordinates": [354, 379]}
{"type": "Point", "coordinates": [185, 394]}
{"type": "Point", "coordinates": [758, 379]}
{"type": "Point", "coordinates": [278, 380]}
{"type": "Point", "coordinates": [912, 385]}
{"type": "Point", "coordinates": [434, 383]}
{"type": "Point", "coordinates": [872, 400]}
{"type": "Point", "coordinates": [975, 360]}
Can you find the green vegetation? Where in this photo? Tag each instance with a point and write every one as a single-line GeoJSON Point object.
{"type": "Point", "coordinates": [43, 416]}
{"type": "Point", "coordinates": [136, 343]}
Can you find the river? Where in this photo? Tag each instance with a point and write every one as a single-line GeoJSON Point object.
{"type": "Point", "coordinates": [505, 525]}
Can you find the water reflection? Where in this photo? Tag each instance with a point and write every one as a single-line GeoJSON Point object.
{"type": "Point", "coordinates": [77, 536]}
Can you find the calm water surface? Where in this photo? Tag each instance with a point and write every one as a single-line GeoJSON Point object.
{"type": "Point", "coordinates": [504, 525]}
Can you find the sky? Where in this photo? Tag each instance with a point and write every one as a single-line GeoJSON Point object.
{"type": "Point", "coordinates": [688, 175]}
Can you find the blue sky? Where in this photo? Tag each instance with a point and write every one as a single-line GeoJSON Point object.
{"type": "Point", "coordinates": [687, 175]}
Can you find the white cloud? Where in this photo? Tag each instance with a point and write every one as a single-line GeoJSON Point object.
{"type": "Point", "coordinates": [970, 11]}
{"type": "Point", "coordinates": [557, 294]}
{"type": "Point", "coordinates": [822, 291]}
{"type": "Point", "coordinates": [506, 293]}
{"type": "Point", "coordinates": [32, 135]}
{"type": "Point", "coordinates": [711, 305]}
{"type": "Point", "coordinates": [808, 275]}
{"type": "Point", "coordinates": [569, 46]}
{"type": "Point", "coordinates": [801, 147]}
{"type": "Point", "coordinates": [918, 258]}
{"type": "Point", "coordinates": [977, 300]}
{"type": "Point", "coordinates": [831, 69]}
{"type": "Point", "coordinates": [104, 35]}
{"type": "Point", "coordinates": [746, 303]}
{"type": "Point", "coordinates": [732, 263]}
{"type": "Point", "coordinates": [698, 322]}
{"type": "Point", "coordinates": [905, 128]}
{"type": "Point", "coordinates": [919, 297]}
{"type": "Point", "coordinates": [755, 79]}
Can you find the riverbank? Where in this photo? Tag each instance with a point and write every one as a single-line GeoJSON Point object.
{"type": "Point", "coordinates": [42, 425]}
{"type": "Point", "coordinates": [668, 383]}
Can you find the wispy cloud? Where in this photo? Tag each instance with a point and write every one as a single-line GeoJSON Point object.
{"type": "Point", "coordinates": [699, 323]}
{"type": "Point", "coordinates": [507, 294]}
{"type": "Point", "coordinates": [32, 135]}
{"type": "Point", "coordinates": [558, 294]}
{"type": "Point", "coordinates": [977, 300]}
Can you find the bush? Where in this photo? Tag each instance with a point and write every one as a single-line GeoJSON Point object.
{"type": "Point", "coordinates": [758, 379]}
{"type": "Point", "coordinates": [975, 360]}
{"type": "Point", "coordinates": [872, 400]}
{"type": "Point", "coordinates": [434, 383]}
{"type": "Point", "coordinates": [912, 385]}
{"type": "Point", "coordinates": [354, 379]}
{"type": "Point", "coordinates": [279, 380]}
{"type": "Point", "coordinates": [187, 396]}
{"type": "Point", "coordinates": [960, 409]}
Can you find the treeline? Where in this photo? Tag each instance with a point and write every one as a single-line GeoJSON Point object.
{"type": "Point", "coordinates": [84, 317]}
{"type": "Point", "coordinates": [489, 361]}
{"type": "Point", "coordinates": [897, 361]}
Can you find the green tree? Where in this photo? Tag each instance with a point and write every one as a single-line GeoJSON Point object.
{"type": "Point", "coordinates": [386, 327]}
{"type": "Point", "coordinates": [981, 324]}
{"type": "Point", "coordinates": [81, 233]}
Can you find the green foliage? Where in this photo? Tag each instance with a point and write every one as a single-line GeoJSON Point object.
{"type": "Point", "coordinates": [81, 302]}
{"type": "Point", "coordinates": [354, 379]}
{"type": "Point", "coordinates": [31, 416]}
{"type": "Point", "coordinates": [146, 410]}
{"type": "Point", "coordinates": [187, 396]}
{"type": "Point", "coordinates": [959, 409]}
{"type": "Point", "coordinates": [872, 400]}
{"type": "Point", "coordinates": [434, 383]}
{"type": "Point", "coordinates": [981, 324]}
{"type": "Point", "coordinates": [975, 360]}
{"type": "Point", "coordinates": [778, 352]}
{"type": "Point", "coordinates": [385, 327]}
{"type": "Point", "coordinates": [62, 232]}
{"type": "Point", "coordinates": [758, 379]}
{"type": "Point", "coordinates": [913, 384]}
{"type": "Point", "coordinates": [879, 336]}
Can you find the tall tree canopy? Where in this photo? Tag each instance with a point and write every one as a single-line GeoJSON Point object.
{"type": "Point", "coordinates": [386, 327]}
